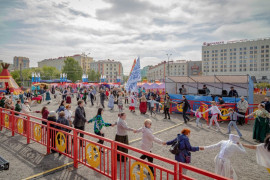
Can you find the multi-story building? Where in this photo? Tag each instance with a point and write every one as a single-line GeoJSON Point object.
{"type": "Point", "coordinates": [20, 63]}
{"type": "Point", "coordinates": [173, 68]}
{"type": "Point", "coordinates": [111, 69]}
{"type": "Point", "coordinates": [240, 57]}
{"type": "Point", "coordinates": [58, 63]}
{"type": "Point", "coordinates": [144, 71]}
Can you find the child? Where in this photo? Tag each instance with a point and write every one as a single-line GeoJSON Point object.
{"type": "Point", "coordinates": [198, 115]}
{"type": "Point", "coordinates": [214, 111]}
{"type": "Point", "coordinates": [152, 105]}
{"type": "Point", "coordinates": [132, 103]}
{"type": "Point", "coordinates": [233, 119]}
{"type": "Point", "coordinates": [120, 102]}
{"type": "Point", "coordinates": [147, 140]}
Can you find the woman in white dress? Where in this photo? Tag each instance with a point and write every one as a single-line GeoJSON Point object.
{"type": "Point", "coordinates": [228, 148]}
{"type": "Point", "coordinates": [262, 152]}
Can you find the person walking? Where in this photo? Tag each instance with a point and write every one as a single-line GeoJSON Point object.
{"type": "Point", "coordinates": [84, 96]}
{"type": "Point", "coordinates": [80, 119]}
{"type": "Point", "coordinates": [233, 118]}
{"type": "Point", "coordinates": [126, 97]}
{"type": "Point", "coordinates": [48, 96]}
{"type": "Point", "coordinates": [111, 101]}
{"type": "Point", "coordinates": [99, 125]}
{"type": "Point", "coordinates": [121, 134]}
{"type": "Point", "coordinates": [214, 111]}
{"type": "Point", "coordinates": [120, 101]}
{"type": "Point", "coordinates": [21, 97]}
{"type": "Point", "coordinates": [185, 108]}
{"type": "Point", "coordinates": [242, 107]}
{"type": "Point", "coordinates": [198, 116]}
{"type": "Point", "coordinates": [147, 141]}
{"type": "Point", "coordinates": [185, 148]}
{"type": "Point", "coordinates": [157, 104]}
{"type": "Point", "coordinates": [267, 104]}
{"type": "Point", "coordinates": [261, 125]}
{"type": "Point", "coordinates": [102, 98]}
{"type": "Point", "coordinates": [167, 104]}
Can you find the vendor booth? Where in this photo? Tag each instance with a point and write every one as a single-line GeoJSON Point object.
{"type": "Point", "coordinates": [218, 86]}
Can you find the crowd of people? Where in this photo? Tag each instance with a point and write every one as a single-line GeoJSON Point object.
{"type": "Point", "coordinates": [153, 102]}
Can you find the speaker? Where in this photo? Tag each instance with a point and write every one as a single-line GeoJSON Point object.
{"type": "Point", "coordinates": [224, 93]}
{"type": "Point", "coordinates": [201, 91]}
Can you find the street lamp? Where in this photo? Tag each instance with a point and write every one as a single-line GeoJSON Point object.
{"type": "Point", "coordinates": [168, 56]}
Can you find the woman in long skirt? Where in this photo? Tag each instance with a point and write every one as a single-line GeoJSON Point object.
{"type": "Point", "coordinates": [48, 97]}
{"type": "Point", "coordinates": [121, 134]}
{"type": "Point", "coordinates": [132, 103]}
{"type": "Point", "coordinates": [261, 125]}
{"type": "Point", "coordinates": [111, 101]}
{"type": "Point", "coordinates": [68, 101]}
{"type": "Point", "coordinates": [143, 104]}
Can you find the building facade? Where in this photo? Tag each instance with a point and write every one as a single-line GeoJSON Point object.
{"type": "Point", "coordinates": [111, 69]}
{"type": "Point", "coordinates": [58, 63]}
{"type": "Point", "coordinates": [173, 68]}
{"type": "Point", "coordinates": [240, 57]}
{"type": "Point", "coordinates": [20, 62]}
{"type": "Point", "coordinates": [144, 71]}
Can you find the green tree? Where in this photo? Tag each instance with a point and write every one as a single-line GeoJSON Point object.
{"type": "Point", "coordinates": [93, 76]}
{"type": "Point", "coordinates": [49, 72]}
{"type": "Point", "coordinates": [72, 69]}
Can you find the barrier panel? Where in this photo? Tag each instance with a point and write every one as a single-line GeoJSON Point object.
{"type": "Point", "coordinates": [103, 156]}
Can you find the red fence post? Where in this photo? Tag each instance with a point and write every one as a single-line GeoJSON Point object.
{"type": "Point", "coordinates": [75, 146]}
{"type": "Point", "coordinates": [176, 171]}
{"type": "Point", "coordinates": [48, 137]}
{"type": "Point", "coordinates": [28, 127]}
{"type": "Point", "coordinates": [12, 120]}
{"type": "Point", "coordinates": [180, 172]}
{"type": "Point", "coordinates": [113, 166]}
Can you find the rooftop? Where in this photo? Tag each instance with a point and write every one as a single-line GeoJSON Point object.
{"type": "Point", "coordinates": [233, 41]}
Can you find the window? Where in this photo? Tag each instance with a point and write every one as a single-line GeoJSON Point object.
{"type": "Point", "coordinates": [255, 47]}
{"type": "Point", "coordinates": [251, 48]}
{"type": "Point", "coordinates": [225, 50]}
{"type": "Point", "coordinates": [245, 52]}
{"type": "Point", "coordinates": [230, 50]}
{"type": "Point", "coordinates": [231, 54]}
{"type": "Point", "coordinates": [225, 58]}
{"type": "Point", "coordinates": [262, 51]}
{"type": "Point", "coordinates": [266, 50]}
{"type": "Point", "coordinates": [213, 51]}
{"type": "Point", "coordinates": [267, 46]}
{"type": "Point", "coordinates": [251, 52]}
{"type": "Point", "coordinates": [240, 53]}
{"type": "Point", "coordinates": [234, 49]}
{"type": "Point", "coordinates": [221, 50]}
{"type": "Point", "coordinates": [230, 58]}
{"type": "Point", "coordinates": [245, 48]}
{"type": "Point", "coordinates": [262, 47]}
{"type": "Point", "coordinates": [251, 56]}
{"type": "Point", "coordinates": [240, 49]}
{"type": "Point", "coordinates": [262, 69]}
{"type": "Point", "coordinates": [216, 51]}
{"type": "Point", "coordinates": [240, 57]}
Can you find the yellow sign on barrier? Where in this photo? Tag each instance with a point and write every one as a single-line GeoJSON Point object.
{"type": "Point", "coordinates": [224, 111]}
{"type": "Point", "coordinates": [180, 107]}
{"type": "Point", "coordinates": [20, 126]}
{"type": "Point", "coordinates": [37, 132]}
{"type": "Point", "coordinates": [6, 120]}
{"type": "Point", "coordinates": [268, 170]}
{"type": "Point", "coordinates": [92, 155]}
{"type": "Point", "coordinates": [141, 171]}
{"type": "Point", "coordinates": [61, 141]}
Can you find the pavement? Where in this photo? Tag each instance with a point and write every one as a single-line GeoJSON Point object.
{"type": "Point", "coordinates": [31, 162]}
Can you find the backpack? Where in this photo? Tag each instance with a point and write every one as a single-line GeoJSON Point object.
{"type": "Point", "coordinates": [174, 149]}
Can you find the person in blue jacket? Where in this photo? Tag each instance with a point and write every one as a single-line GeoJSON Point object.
{"type": "Point", "coordinates": [184, 146]}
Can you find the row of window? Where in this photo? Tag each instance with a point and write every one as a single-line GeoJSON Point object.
{"type": "Point", "coordinates": [234, 54]}
{"type": "Point", "coordinates": [240, 70]}
{"type": "Point", "coordinates": [234, 49]}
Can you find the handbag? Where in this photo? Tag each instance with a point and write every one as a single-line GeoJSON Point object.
{"type": "Point", "coordinates": [174, 149]}
{"type": "Point", "coordinates": [187, 157]}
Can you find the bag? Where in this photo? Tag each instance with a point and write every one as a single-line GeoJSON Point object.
{"type": "Point", "coordinates": [187, 157]}
{"type": "Point", "coordinates": [174, 149]}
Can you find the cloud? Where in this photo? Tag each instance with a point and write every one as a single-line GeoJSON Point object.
{"type": "Point", "coordinates": [125, 29]}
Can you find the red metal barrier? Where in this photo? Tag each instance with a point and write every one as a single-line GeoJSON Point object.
{"type": "Point", "coordinates": [99, 157]}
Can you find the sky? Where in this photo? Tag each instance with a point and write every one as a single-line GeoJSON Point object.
{"type": "Point", "coordinates": [126, 29]}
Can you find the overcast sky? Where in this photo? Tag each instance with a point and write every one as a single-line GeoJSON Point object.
{"type": "Point", "coordinates": [125, 29]}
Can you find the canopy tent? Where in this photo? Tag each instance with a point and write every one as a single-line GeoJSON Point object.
{"type": "Point", "coordinates": [216, 84]}
{"type": "Point", "coordinates": [6, 80]}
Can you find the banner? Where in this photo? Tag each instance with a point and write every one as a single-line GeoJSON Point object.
{"type": "Point", "coordinates": [134, 77]}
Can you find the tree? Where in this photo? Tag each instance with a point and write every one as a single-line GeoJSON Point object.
{"type": "Point", "coordinates": [49, 72]}
{"type": "Point", "coordinates": [93, 76]}
{"type": "Point", "coordinates": [72, 69]}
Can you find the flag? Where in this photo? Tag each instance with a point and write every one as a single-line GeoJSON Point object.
{"type": "Point", "coordinates": [134, 62]}
{"type": "Point", "coordinates": [134, 77]}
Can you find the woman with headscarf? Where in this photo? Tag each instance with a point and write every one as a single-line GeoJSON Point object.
{"type": "Point", "coordinates": [261, 125]}
{"type": "Point", "coordinates": [111, 101]}
{"type": "Point", "coordinates": [228, 148]}
{"type": "Point", "coordinates": [132, 103]}
{"type": "Point", "coordinates": [143, 104]}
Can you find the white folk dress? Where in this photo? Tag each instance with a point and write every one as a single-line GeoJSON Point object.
{"type": "Point", "coordinates": [263, 156]}
{"type": "Point", "coordinates": [223, 165]}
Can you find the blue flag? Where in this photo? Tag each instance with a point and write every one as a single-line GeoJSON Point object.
{"type": "Point", "coordinates": [134, 77]}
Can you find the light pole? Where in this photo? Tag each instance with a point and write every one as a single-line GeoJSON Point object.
{"type": "Point", "coordinates": [168, 56]}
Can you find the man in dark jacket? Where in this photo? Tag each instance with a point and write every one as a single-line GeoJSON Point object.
{"type": "Point", "coordinates": [79, 120]}
{"type": "Point", "coordinates": [233, 92]}
{"type": "Point", "coordinates": [267, 104]}
{"type": "Point", "coordinates": [102, 98]}
{"type": "Point", "coordinates": [185, 107]}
